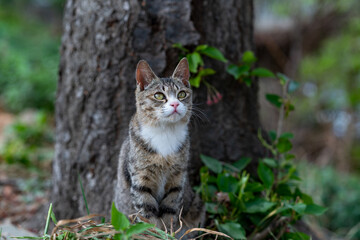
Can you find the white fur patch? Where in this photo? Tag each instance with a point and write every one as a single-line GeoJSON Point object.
{"type": "Point", "coordinates": [165, 139]}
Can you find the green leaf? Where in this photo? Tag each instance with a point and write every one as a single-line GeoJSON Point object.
{"type": "Point", "coordinates": [200, 48]}
{"type": "Point", "coordinates": [213, 53]}
{"type": "Point", "coordinates": [248, 57]}
{"type": "Point", "coordinates": [118, 219]}
{"type": "Point", "coordinates": [296, 236]}
{"type": "Point", "coordinates": [194, 60]}
{"type": "Point", "coordinates": [274, 99]}
{"type": "Point", "coordinates": [179, 46]}
{"type": "Point", "coordinates": [238, 71]}
{"type": "Point", "coordinates": [283, 190]}
{"type": "Point", "coordinates": [307, 199]}
{"type": "Point", "coordinates": [293, 86]}
{"type": "Point", "coordinates": [287, 135]}
{"type": "Point", "coordinates": [262, 72]}
{"type": "Point", "coordinates": [210, 190]}
{"type": "Point", "coordinates": [266, 175]}
{"type": "Point", "coordinates": [258, 205]}
{"type": "Point", "coordinates": [288, 106]}
{"type": "Point", "coordinates": [214, 208]}
{"type": "Point", "coordinates": [195, 82]}
{"type": "Point", "coordinates": [213, 164]}
{"type": "Point", "coordinates": [206, 72]}
{"type": "Point", "coordinates": [284, 145]}
{"type": "Point", "coordinates": [234, 230]}
{"type": "Point", "coordinates": [242, 163]}
{"type": "Point", "coordinates": [254, 187]}
{"type": "Point", "coordinates": [227, 183]}
{"type": "Point", "coordinates": [289, 156]}
{"type": "Point", "coordinates": [299, 208]}
{"type": "Point", "coordinates": [314, 209]}
{"type": "Point", "coordinates": [272, 135]}
{"type": "Point", "coordinates": [283, 78]}
{"type": "Point", "coordinates": [247, 81]}
{"type": "Point", "coordinates": [138, 228]}
{"type": "Point", "coordinates": [53, 218]}
{"type": "Point", "coordinates": [270, 162]}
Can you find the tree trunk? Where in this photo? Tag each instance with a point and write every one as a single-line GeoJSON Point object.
{"type": "Point", "coordinates": [102, 42]}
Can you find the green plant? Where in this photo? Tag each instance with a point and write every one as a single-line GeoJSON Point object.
{"type": "Point", "coordinates": [244, 71]}
{"type": "Point", "coordinates": [196, 67]}
{"type": "Point", "coordinates": [269, 203]}
{"type": "Point", "coordinates": [196, 62]}
{"type": "Point", "coordinates": [29, 144]}
{"type": "Point", "coordinates": [243, 206]}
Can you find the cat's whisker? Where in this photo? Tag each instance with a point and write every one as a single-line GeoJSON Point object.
{"type": "Point", "coordinates": [197, 112]}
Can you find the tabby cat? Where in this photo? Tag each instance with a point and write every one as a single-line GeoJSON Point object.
{"type": "Point", "coordinates": [152, 176]}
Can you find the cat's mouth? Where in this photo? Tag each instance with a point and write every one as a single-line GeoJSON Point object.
{"type": "Point", "coordinates": [174, 115]}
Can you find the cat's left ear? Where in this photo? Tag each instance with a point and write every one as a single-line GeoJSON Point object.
{"type": "Point", "coordinates": [182, 72]}
{"type": "Point", "coordinates": [144, 74]}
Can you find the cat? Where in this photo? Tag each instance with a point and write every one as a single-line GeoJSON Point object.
{"type": "Point", "coordinates": [152, 173]}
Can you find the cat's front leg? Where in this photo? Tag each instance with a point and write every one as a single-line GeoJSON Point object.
{"type": "Point", "coordinates": [142, 195]}
{"type": "Point", "coordinates": [170, 205]}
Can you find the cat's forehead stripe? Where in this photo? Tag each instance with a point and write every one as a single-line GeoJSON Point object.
{"type": "Point", "coordinates": [168, 82]}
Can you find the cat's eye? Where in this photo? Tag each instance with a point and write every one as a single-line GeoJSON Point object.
{"type": "Point", "coordinates": [159, 96]}
{"type": "Point", "coordinates": [181, 95]}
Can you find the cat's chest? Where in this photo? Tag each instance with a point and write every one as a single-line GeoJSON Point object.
{"type": "Point", "coordinates": [165, 140]}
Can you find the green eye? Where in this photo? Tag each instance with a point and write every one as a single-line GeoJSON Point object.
{"type": "Point", "coordinates": [182, 95]}
{"type": "Point", "coordinates": [159, 96]}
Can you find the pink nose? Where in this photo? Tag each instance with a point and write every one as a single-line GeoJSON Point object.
{"type": "Point", "coordinates": [174, 104]}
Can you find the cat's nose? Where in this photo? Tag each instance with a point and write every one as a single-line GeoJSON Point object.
{"type": "Point", "coordinates": [174, 104]}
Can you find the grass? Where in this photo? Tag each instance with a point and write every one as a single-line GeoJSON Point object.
{"type": "Point", "coordinates": [87, 227]}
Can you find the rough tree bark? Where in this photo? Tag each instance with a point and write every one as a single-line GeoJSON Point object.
{"type": "Point", "coordinates": [102, 42]}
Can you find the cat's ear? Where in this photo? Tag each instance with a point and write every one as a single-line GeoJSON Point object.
{"type": "Point", "coordinates": [144, 74]}
{"type": "Point", "coordinates": [182, 72]}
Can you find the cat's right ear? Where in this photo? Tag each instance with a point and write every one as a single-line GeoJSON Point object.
{"type": "Point", "coordinates": [182, 71]}
{"type": "Point", "coordinates": [144, 74]}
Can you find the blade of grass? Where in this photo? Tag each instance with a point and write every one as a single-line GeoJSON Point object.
{"type": "Point", "coordinates": [27, 237]}
{"type": "Point", "coordinates": [152, 234]}
{"type": "Point", "coordinates": [53, 218]}
{"type": "Point", "coordinates": [48, 219]}
{"type": "Point", "coordinates": [83, 193]}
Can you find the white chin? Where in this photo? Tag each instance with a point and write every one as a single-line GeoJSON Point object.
{"type": "Point", "coordinates": [175, 117]}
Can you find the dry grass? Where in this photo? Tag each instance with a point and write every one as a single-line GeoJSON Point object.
{"type": "Point", "coordinates": [88, 228]}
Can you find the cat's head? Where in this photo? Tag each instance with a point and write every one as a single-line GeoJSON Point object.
{"type": "Point", "coordinates": [163, 100]}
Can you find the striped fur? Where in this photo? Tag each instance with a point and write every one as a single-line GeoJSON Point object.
{"type": "Point", "coordinates": [152, 175]}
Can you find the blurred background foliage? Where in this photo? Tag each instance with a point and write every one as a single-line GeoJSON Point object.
{"type": "Point", "coordinates": [30, 33]}
{"type": "Point", "coordinates": [29, 57]}
{"type": "Point", "coordinates": [315, 42]}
